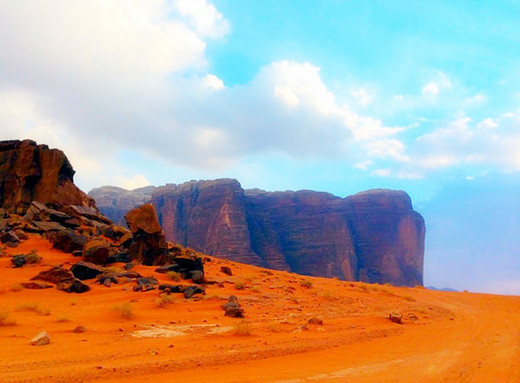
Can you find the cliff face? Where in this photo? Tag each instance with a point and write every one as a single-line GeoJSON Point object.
{"type": "Point", "coordinates": [31, 172]}
{"type": "Point", "coordinates": [209, 216]}
{"type": "Point", "coordinates": [116, 202]}
{"type": "Point", "coordinates": [374, 236]}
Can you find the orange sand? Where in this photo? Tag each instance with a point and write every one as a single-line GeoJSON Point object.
{"type": "Point", "coordinates": [445, 337]}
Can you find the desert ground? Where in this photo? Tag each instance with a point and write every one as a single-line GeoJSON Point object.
{"type": "Point", "coordinates": [296, 329]}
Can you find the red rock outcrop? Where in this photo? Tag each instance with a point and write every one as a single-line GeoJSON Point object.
{"type": "Point", "coordinates": [373, 236]}
{"type": "Point", "coordinates": [31, 172]}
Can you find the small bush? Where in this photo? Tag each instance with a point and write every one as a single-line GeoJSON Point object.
{"type": "Point", "coordinates": [62, 319]}
{"type": "Point", "coordinates": [174, 276]}
{"type": "Point", "coordinates": [242, 328]}
{"type": "Point", "coordinates": [15, 288]}
{"type": "Point", "coordinates": [4, 319]}
{"type": "Point", "coordinates": [125, 310]}
{"type": "Point", "coordinates": [33, 307]}
{"type": "Point", "coordinates": [239, 285]}
{"type": "Point", "coordinates": [306, 283]}
{"type": "Point", "coordinates": [164, 300]}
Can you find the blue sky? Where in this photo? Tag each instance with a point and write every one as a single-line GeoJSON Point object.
{"type": "Point", "coordinates": [339, 96]}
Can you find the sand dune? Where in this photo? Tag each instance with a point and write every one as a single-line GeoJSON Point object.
{"type": "Point", "coordinates": [297, 329]}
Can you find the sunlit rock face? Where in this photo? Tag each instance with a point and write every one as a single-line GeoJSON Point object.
{"type": "Point", "coordinates": [31, 172]}
{"type": "Point", "coordinates": [374, 236]}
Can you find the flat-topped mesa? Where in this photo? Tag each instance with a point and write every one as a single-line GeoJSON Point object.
{"type": "Point", "coordinates": [31, 172]}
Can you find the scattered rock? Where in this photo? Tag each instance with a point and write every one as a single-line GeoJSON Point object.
{"type": "Point", "coordinates": [197, 276]}
{"type": "Point", "coordinates": [396, 317]}
{"type": "Point", "coordinates": [55, 275]}
{"type": "Point", "coordinates": [232, 308]}
{"type": "Point", "coordinates": [86, 270]}
{"type": "Point", "coordinates": [226, 270]}
{"type": "Point", "coordinates": [41, 339]}
{"type": "Point", "coordinates": [189, 291]}
{"type": "Point", "coordinates": [36, 285]}
{"type": "Point", "coordinates": [146, 284]}
{"type": "Point", "coordinates": [75, 286]}
{"type": "Point", "coordinates": [97, 251]}
{"type": "Point", "coordinates": [315, 321]}
{"type": "Point", "coordinates": [9, 236]}
{"type": "Point", "coordinates": [79, 330]}
{"type": "Point", "coordinates": [68, 241]}
{"type": "Point", "coordinates": [18, 260]}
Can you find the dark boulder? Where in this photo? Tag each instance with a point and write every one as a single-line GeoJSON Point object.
{"type": "Point", "coordinates": [190, 291]}
{"type": "Point", "coordinates": [9, 236]}
{"type": "Point", "coordinates": [74, 286]}
{"type": "Point", "coordinates": [18, 260]}
{"type": "Point", "coordinates": [68, 241]}
{"type": "Point", "coordinates": [55, 275]}
{"type": "Point", "coordinates": [97, 251]}
{"type": "Point", "coordinates": [86, 270]}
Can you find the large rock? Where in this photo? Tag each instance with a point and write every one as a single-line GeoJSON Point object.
{"type": "Point", "coordinates": [148, 245]}
{"type": "Point", "coordinates": [373, 236]}
{"type": "Point", "coordinates": [97, 251]}
{"type": "Point", "coordinates": [31, 172]}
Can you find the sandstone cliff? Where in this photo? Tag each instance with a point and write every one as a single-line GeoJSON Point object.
{"type": "Point", "coordinates": [374, 236]}
{"type": "Point", "coordinates": [31, 172]}
{"type": "Point", "coordinates": [116, 202]}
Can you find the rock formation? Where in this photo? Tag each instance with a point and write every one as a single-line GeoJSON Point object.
{"type": "Point", "coordinates": [31, 172]}
{"type": "Point", "coordinates": [373, 236]}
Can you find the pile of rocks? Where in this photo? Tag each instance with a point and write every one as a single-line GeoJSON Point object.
{"type": "Point", "coordinates": [85, 233]}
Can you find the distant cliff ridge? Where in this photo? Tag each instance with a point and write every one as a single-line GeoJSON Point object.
{"type": "Point", "coordinates": [373, 236]}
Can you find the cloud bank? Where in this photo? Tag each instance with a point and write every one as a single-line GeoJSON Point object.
{"type": "Point", "coordinates": [106, 77]}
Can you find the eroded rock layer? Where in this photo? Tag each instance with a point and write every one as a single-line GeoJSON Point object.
{"type": "Point", "coordinates": [373, 236]}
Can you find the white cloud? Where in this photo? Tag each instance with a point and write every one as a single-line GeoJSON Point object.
{"type": "Point", "coordinates": [362, 96]}
{"type": "Point", "coordinates": [204, 16]}
{"type": "Point", "coordinates": [433, 88]}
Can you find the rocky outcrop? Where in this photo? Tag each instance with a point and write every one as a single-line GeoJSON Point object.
{"type": "Point", "coordinates": [148, 244]}
{"type": "Point", "coordinates": [31, 172]}
{"type": "Point", "coordinates": [115, 202]}
{"type": "Point", "coordinates": [374, 236]}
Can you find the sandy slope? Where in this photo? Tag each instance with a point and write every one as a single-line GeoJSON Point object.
{"type": "Point", "coordinates": [446, 337]}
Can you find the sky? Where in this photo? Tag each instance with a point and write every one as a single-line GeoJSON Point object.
{"type": "Point", "coordinates": [330, 95]}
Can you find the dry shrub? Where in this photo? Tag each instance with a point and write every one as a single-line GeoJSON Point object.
{"type": "Point", "coordinates": [62, 319]}
{"type": "Point", "coordinates": [306, 283]}
{"type": "Point", "coordinates": [164, 300]}
{"type": "Point", "coordinates": [125, 310]}
{"type": "Point", "coordinates": [33, 307]}
{"type": "Point", "coordinates": [243, 328]}
{"type": "Point", "coordinates": [4, 319]}
{"type": "Point", "coordinates": [174, 276]}
{"type": "Point", "coordinates": [15, 288]}
{"type": "Point", "coordinates": [239, 285]}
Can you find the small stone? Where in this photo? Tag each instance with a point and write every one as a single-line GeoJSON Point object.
{"type": "Point", "coordinates": [79, 330]}
{"type": "Point", "coordinates": [226, 270]}
{"type": "Point", "coordinates": [396, 317]}
{"type": "Point", "coordinates": [41, 339]}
